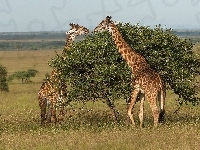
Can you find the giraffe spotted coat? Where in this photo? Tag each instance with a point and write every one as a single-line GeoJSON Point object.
{"type": "Point", "coordinates": [146, 82]}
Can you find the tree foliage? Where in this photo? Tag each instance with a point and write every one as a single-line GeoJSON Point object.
{"type": "Point", "coordinates": [94, 69]}
{"type": "Point", "coordinates": [24, 76]}
{"type": "Point", "coordinates": [3, 80]}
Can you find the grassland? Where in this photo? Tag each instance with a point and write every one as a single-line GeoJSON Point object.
{"type": "Point", "coordinates": [86, 126]}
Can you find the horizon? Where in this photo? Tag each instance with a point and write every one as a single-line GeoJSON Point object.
{"type": "Point", "coordinates": [60, 31]}
{"type": "Point", "coordinates": [36, 16]}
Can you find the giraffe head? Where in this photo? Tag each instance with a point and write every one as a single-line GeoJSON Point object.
{"type": "Point", "coordinates": [104, 25]}
{"type": "Point", "coordinates": [77, 29]}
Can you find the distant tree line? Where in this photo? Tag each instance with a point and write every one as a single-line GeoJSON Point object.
{"type": "Point", "coordinates": [26, 45]}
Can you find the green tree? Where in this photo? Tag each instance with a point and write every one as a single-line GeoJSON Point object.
{"type": "Point", "coordinates": [3, 80]}
{"type": "Point", "coordinates": [24, 76]}
{"type": "Point", "coordinates": [95, 70]}
{"type": "Point", "coordinates": [31, 73]}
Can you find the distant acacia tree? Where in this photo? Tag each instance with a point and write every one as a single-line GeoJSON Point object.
{"type": "Point", "coordinates": [3, 80]}
{"type": "Point", "coordinates": [24, 76]}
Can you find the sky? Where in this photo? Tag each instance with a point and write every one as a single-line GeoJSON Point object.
{"type": "Point", "coordinates": [55, 15]}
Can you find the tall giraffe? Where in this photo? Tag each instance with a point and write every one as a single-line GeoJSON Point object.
{"type": "Point", "coordinates": [146, 84]}
{"type": "Point", "coordinates": [49, 94]}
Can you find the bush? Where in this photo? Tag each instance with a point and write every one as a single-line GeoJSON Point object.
{"type": "Point", "coordinates": [24, 76]}
{"type": "Point", "coordinates": [3, 80]}
{"type": "Point", "coordinates": [95, 70]}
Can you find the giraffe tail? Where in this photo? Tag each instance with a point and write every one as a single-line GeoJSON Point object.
{"type": "Point", "coordinates": [162, 103]}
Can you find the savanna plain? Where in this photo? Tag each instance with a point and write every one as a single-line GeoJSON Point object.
{"type": "Point", "coordinates": [89, 125]}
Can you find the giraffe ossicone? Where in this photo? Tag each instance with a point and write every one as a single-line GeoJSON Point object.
{"type": "Point", "coordinates": [146, 83]}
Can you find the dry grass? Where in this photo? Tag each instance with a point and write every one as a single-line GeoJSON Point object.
{"type": "Point", "coordinates": [23, 60]}
{"type": "Point", "coordinates": [88, 126]}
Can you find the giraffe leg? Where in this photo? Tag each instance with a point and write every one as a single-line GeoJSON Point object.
{"type": "Point", "coordinates": [61, 106]}
{"type": "Point", "coordinates": [49, 105]}
{"type": "Point", "coordinates": [141, 113]}
{"type": "Point", "coordinates": [43, 104]}
{"type": "Point", "coordinates": [132, 103]}
{"type": "Point", "coordinates": [161, 99]}
{"type": "Point", "coordinates": [49, 116]}
{"type": "Point", "coordinates": [61, 114]}
{"type": "Point", "coordinates": [53, 115]}
{"type": "Point", "coordinates": [154, 109]}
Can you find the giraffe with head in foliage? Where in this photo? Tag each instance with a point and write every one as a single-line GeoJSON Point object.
{"type": "Point", "coordinates": [54, 90]}
{"type": "Point", "coordinates": [147, 84]}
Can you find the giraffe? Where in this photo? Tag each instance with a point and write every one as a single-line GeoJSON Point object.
{"type": "Point", "coordinates": [146, 83]}
{"type": "Point", "coordinates": [50, 94]}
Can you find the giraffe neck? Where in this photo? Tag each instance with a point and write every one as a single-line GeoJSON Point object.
{"type": "Point", "coordinates": [134, 60]}
{"type": "Point", "coordinates": [53, 76]}
{"type": "Point", "coordinates": [70, 39]}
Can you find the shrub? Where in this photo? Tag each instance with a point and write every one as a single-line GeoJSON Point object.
{"type": "Point", "coordinates": [95, 70]}
{"type": "Point", "coordinates": [3, 80]}
{"type": "Point", "coordinates": [24, 76]}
